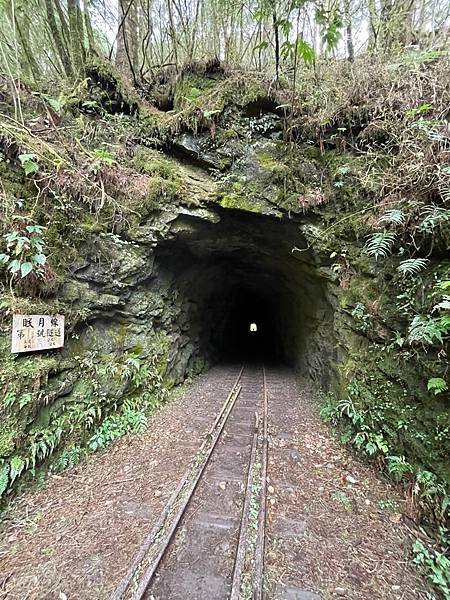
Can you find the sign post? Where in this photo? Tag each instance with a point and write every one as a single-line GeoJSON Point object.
{"type": "Point", "coordinates": [37, 332]}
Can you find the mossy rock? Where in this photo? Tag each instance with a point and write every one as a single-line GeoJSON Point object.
{"type": "Point", "coordinates": [9, 433]}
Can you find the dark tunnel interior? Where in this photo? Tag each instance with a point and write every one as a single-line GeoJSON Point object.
{"type": "Point", "coordinates": [249, 332]}
{"type": "Point", "coordinates": [240, 269]}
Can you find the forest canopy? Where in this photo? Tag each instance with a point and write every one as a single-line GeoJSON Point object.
{"type": "Point", "coordinates": [46, 40]}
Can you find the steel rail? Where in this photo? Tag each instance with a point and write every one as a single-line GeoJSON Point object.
{"type": "Point", "coordinates": [142, 569]}
{"type": "Point", "coordinates": [239, 562]}
{"type": "Point", "coordinates": [246, 546]}
{"type": "Point", "coordinates": [258, 572]}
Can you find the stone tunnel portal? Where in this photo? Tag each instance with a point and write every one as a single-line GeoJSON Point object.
{"type": "Point", "coordinates": [239, 269]}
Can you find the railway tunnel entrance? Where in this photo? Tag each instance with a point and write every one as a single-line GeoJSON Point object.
{"type": "Point", "coordinates": [240, 270]}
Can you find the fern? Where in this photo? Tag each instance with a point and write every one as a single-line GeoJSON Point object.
{"type": "Point", "coordinates": [444, 304]}
{"type": "Point", "coordinates": [412, 266]}
{"type": "Point", "coordinates": [16, 465]}
{"type": "Point", "coordinates": [380, 244]}
{"type": "Point", "coordinates": [437, 385]}
{"type": "Point", "coordinates": [138, 422]}
{"type": "Point", "coordinates": [392, 217]}
{"type": "Point", "coordinates": [68, 458]}
{"type": "Point", "coordinates": [425, 330]}
{"type": "Point", "coordinates": [435, 216]}
{"type": "Point", "coordinates": [398, 467]}
{"type": "Point", "coordinates": [9, 399]}
{"type": "Point", "coordinates": [444, 285]}
{"type": "Point", "coordinates": [4, 478]}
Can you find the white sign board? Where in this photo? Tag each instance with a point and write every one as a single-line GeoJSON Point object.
{"type": "Point", "coordinates": [37, 332]}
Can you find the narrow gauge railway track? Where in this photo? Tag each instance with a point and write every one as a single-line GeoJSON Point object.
{"type": "Point", "coordinates": [209, 539]}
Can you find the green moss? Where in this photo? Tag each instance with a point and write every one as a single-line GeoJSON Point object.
{"type": "Point", "coordinates": [228, 134]}
{"type": "Point", "coordinates": [267, 160]}
{"type": "Point", "coordinates": [240, 202]}
{"type": "Point", "coordinates": [161, 348]}
{"type": "Point", "coordinates": [8, 434]}
{"type": "Point", "coordinates": [190, 91]}
{"type": "Point", "coordinates": [154, 163]}
{"type": "Point", "coordinates": [14, 182]}
{"type": "Point", "coordinates": [159, 191]}
{"type": "Point", "coordinates": [90, 225]}
{"type": "Point", "coordinates": [389, 390]}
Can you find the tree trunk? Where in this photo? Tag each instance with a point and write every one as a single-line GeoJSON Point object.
{"type": "Point", "coordinates": [348, 31]}
{"type": "Point", "coordinates": [277, 40]}
{"type": "Point", "coordinates": [28, 53]}
{"type": "Point", "coordinates": [173, 33]}
{"type": "Point", "coordinates": [75, 34]}
{"type": "Point", "coordinates": [374, 24]}
{"type": "Point", "coordinates": [57, 39]}
{"type": "Point", "coordinates": [127, 37]}
{"type": "Point", "coordinates": [88, 25]}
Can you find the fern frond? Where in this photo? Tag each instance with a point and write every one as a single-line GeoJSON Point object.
{"type": "Point", "coordinates": [380, 244]}
{"type": "Point", "coordinates": [435, 216]}
{"type": "Point", "coordinates": [392, 217]}
{"type": "Point", "coordinates": [4, 478]}
{"type": "Point", "coordinates": [16, 467]}
{"type": "Point", "coordinates": [412, 266]}
{"type": "Point", "coordinates": [437, 385]}
{"type": "Point", "coordinates": [425, 330]}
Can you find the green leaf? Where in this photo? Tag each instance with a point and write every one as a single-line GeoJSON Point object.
{"type": "Point", "coordinates": [26, 268]}
{"type": "Point", "coordinates": [380, 244]}
{"type": "Point", "coordinates": [394, 216]}
{"type": "Point", "coordinates": [262, 46]}
{"type": "Point", "coordinates": [4, 478]}
{"type": "Point", "coordinates": [437, 385]}
{"type": "Point", "coordinates": [56, 103]}
{"type": "Point", "coordinates": [14, 266]}
{"type": "Point", "coordinates": [305, 51]}
{"type": "Point", "coordinates": [425, 330]}
{"type": "Point", "coordinates": [29, 163]}
{"type": "Point", "coordinates": [25, 399]}
{"type": "Point", "coordinates": [412, 266]}
{"type": "Point", "coordinates": [40, 259]}
{"type": "Point", "coordinates": [9, 399]}
{"type": "Point", "coordinates": [16, 465]}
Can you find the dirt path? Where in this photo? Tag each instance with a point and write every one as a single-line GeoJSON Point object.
{"type": "Point", "coordinates": [77, 535]}
{"type": "Point", "coordinates": [333, 524]}
{"type": "Point", "coordinates": [328, 534]}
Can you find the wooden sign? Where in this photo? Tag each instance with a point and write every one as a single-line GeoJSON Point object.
{"type": "Point", "coordinates": [37, 332]}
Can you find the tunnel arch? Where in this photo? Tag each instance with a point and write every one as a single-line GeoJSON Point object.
{"type": "Point", "coordinates": [240, 268]}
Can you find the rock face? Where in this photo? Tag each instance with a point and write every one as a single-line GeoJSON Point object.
{"type": "Point", "coordinates": [225, 229]}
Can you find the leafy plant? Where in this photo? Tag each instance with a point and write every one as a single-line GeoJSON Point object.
{"type": "Point", "coordinates": [16, 465]}
{"type": "Point", "coordinates": [435, 564]}
{"type": "Point", "coordinates": [437, 385]}
{"type": "Point", "coordinates": [380, 244]}
{"type": "Point", "coordinates": [113, 427]}
{"type": "Point", "coordinates": [426, 330]}
{"type": "Point", "coordinates": [435, 216]}
{"type": "Point", "coordinates": [362, 318]}
{"type": "Point", "coordinates": [399, 467]}
{"type": "Point", "coordinates": [29, 163]}
{"type": "Point", "coordinates": [4, 478]}
{"type": "Point", "coordinates": [101, 157]}
{"type": "Point", "coordinates": [413, 266]}
{"type": "Point", "coordinates": [68, 458]}
{"type": "Point", "coordinates": [392, 217]}
{"type": "Point", "coordinates": [24, 251]}
{"type": "Point", "coordinates": [343, 499]}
